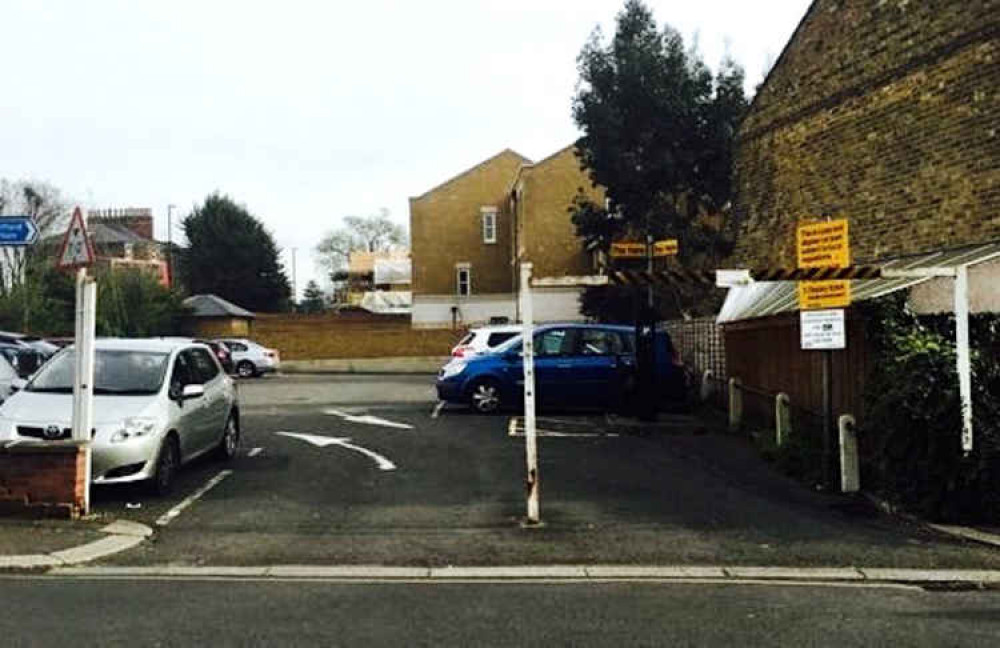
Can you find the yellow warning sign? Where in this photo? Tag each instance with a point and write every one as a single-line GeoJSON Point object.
{"type": "Point", "coordinates": [666, 247]}
{"type": "Point", "coordinates": [820, 295]}
{"type": "Point", "coordinates": [824, 245]}
{"type": "Point", "coordinates": [628, 250]}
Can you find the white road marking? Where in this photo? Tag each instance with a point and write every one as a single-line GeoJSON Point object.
{"type": "Point", "coordinates": [367, 418]}
{"type": "Point", "coordinates": [344, 442]}
{"type": "Point", "coordinates": [515, 432]}
{"type": "Point", "coordinates": [437, 410]}
{"type": "Point", "coordinates": [512, 428]}
{"type": "Point", "coordinates": [255, 452]}
{"type": "Point", "coordinates": [169, 516]}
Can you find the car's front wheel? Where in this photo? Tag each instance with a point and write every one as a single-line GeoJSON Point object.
{"type": "Point", "coordinates": [486, 397]}
{"type": "Point", "coordinates": [167, 463]}
{"type": "Point", "coordinates": [230, 441]}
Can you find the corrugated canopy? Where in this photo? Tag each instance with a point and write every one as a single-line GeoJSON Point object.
{"type": "Point", "coordinates": [760, 299]}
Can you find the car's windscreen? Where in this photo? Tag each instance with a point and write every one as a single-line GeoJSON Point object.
{"type": "Point", "coordinates": [115, 372]}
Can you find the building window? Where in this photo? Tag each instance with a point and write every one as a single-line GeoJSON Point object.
{"type": "Point", "coordinates": [464, 280]}
{"type": "Point", "coordinates": [489, 215]}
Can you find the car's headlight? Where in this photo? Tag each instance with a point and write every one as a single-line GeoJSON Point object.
{"type": "Point", "coordinates": [452, 369]}
{"type": "Point", "coordinates": [135, 428]}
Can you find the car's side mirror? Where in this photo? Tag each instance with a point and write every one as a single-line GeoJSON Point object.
{"type": "Point", "coordinates": [17, 384]}
{"type": "Point", "coordinates": [192, 391]}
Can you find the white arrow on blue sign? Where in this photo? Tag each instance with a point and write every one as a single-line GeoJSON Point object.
{"type": "Point", "coordinates": [18, 230]}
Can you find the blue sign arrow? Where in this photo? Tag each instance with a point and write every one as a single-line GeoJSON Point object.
{"type": "Point", "coordinates": [17, 230]}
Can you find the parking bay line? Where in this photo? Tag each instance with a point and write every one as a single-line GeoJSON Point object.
{"type": "Point", "coordinates": [169, 516]}
{"type": "Point", "coordinates": [437, 409]}
{"type": "Point", "coordinates": [255, 452]}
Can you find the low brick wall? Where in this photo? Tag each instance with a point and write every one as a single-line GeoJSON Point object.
{"type": "Point", "coordinates": [43, 479]}
{"type": "Point", "coordinates": [333, 336]}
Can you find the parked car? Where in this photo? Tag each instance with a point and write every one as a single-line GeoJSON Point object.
{"type": "Point", "coordinates": [23, 359]}
{"type": "Point", "coordinates": [484, 339]}
{"type": "Point", "coordinates": [591, 365]}
{"type": "Point", "coordinates": [250, 358]}
{"type": "Point", "coordinates": [221, 352]}
{"type": "Point", "coordinates": [8, 378]}
{"type": "Point", "coordinates": [157, 404]}
{"type": "Point", "coordinates": [45, 348]}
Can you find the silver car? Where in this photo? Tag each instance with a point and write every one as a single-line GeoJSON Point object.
{"type": "Point", "coordinates": [251, 359]}
{"type": "Point", "coordinates": [157, 404]}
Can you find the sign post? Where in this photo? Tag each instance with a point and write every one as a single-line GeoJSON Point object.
{"type": "Point", "coordinates": [530, 433]}
{"type": "Point", "coordinates": [78, 252]}
{"type": "Point", "coordinates": [824, 244]}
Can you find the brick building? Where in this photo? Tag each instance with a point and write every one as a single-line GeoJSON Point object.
{"type": "Point", "coordinates": [469, 235]}
{"type": "Point", "coordinates": [886, 113]}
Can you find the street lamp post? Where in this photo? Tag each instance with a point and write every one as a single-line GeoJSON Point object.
{"type": "Point", "coordinates": [170, 245]}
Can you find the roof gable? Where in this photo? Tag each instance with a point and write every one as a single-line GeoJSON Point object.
{"type": "Point", "coordinates": [502, 155]}
{"type": "Point", "coordinates": [215, 306]}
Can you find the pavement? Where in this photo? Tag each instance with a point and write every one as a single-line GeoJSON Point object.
{"type": "Point", "coordinates": [311, 496]}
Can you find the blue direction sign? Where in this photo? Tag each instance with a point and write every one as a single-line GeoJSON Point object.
{"type": "Point", "coordinates": [17, 230]}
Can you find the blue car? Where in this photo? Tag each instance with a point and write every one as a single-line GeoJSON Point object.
{"type": "Point", "coordinates": [589, 365]}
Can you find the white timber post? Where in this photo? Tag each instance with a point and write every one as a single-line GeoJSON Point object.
{"type": "Point", "coordinates": [735, 404]}
{"type": "Point", "coordinates": [83, 385]}
{"type": "Point", "coordinates": [850, 474]}
{"type": "Point", "coordinates": [782, 419]}
{"type": "Point", "coordinates": [962, 353]}
{"type": "Point", "coordinates": [530, 433]}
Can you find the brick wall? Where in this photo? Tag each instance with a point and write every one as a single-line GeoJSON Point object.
{"type": "Point", "coordinates": [885, 112]}
{"type": "Point", "coordinates": [547, 236]}
{"type": "Point", "coordinates": [215, 327]}
{"type": "Point", "coordinates": [315, 337]}
{"type": "Point", "coordinates": [446, 228]}
{"type": "Point", "coordinates": [42, 479]}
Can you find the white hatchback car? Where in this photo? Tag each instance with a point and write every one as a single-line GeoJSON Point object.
{"type": "Point", "coordinates": [251, 359]}
{"type": "Point", "coordinates": [485, 339]}
{"type": "Point", "coordinates": [157, 404]}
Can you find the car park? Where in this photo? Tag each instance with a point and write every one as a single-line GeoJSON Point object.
{"type": "Point", "coordinates": [251, 359]}
{"type": "Point", "coordinates": [158, 403]}
{"type": "Point", "coordinates": [590, 365]}
{"type": "Point", "coordinates": [484, 339]}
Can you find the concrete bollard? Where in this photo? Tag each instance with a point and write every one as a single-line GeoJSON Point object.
{"type": "Point", "coordinates": [850, 474]}
{"type": "Point", "coordinates": [735, 404]}
{"type": "Point", "coordinates": [705, 392]}
{"type": "Point", "coordinates": [782, 419]}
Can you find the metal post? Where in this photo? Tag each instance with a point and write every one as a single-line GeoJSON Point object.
{"type": "Point", "coordinates": [530, 435]}
{"type": "Point", "coordinates": [706, 385]}
{"type": "Point", "coordinates": [827, 416]}
{"type": "Point", "coordinates": [170, 246]}
{"type": "Point", "coordinates": [83, 384]}
{"type": "Point", "coordinates": [964, 360]}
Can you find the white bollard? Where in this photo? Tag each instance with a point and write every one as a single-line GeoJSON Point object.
{"type": "Point", "coordinates": [850, 474]}
{"type": "Point", "coordinates": [528, 360]}
{"type": "Point", "coordinates": [735, 404]}
{"type": "Point", "coordinates": [705, 392]}
{"type": "Point", "coordinates": [782, 419]}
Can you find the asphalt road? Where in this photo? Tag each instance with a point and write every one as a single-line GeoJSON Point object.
{"type": "Point", "coordinates": [454, 494]}
{"type": "Point", "coordinates": [79, 612]}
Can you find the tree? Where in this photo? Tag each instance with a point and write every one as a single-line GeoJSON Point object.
{"type": "Point", "coordinates": [133, 303]}
{"type": "Point", "coordinates": [232, 255]}
{"type": "Point", "coordinates": [375, 233]}
{"type": "Point", "coordinates": [312, 299]}
{"type": "Point", "coordinates": [44, 204]}
{"type": "Point", "coordinates": [658, 132]}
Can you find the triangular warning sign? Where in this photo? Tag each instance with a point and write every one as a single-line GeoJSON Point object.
{"type": "Point", "coordinates": [77, 250]}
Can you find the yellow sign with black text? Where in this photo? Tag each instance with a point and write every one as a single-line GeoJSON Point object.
{"type": "Point", "coordinates": [824, 245]}
{"type": "Point", "coordinates": [666, 247]}
{"type": "Point", "coordinates": [821, 295]}
{"type": "Point", "coordinates": [628, 250]}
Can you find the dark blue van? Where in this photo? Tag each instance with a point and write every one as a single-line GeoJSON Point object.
{"type": "Point", "coordinates": [576, 365]}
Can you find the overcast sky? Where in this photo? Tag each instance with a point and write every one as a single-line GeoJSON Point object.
{"type": "Point", "coordinates": [309, 111]}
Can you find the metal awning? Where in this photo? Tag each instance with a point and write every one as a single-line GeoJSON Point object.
{"type": "Point", "coordinates": [763, 298]}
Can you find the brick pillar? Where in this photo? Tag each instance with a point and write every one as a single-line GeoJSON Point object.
{"type": "Point", "coordinates": [43, 478]}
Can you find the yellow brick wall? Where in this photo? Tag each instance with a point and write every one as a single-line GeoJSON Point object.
{"type": "Point", "coordinates": [446, 228]}
{"type": "Point", "coordinates": [218, 327]}
{"type": "Point", "coordinates": [547, 237]}
{"type": "Point", "coordinates": [887, 114]}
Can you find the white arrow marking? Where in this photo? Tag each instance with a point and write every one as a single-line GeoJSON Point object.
{"type": "Point", "coordinates": [367, 418]}
{"type": "Point", "coordinates": [344, 442]}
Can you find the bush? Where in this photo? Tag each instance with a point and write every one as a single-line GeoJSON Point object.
{"type": "Point", "coordinates": [911, 439]}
